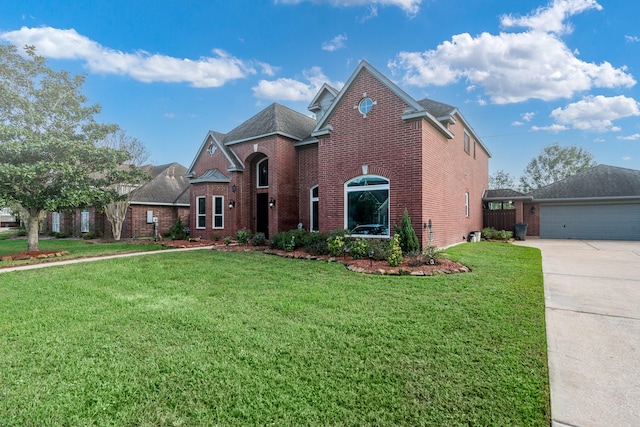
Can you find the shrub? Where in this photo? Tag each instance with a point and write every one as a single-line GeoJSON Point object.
{"type": "Point", "coordinates": [335, 244]}
{"type": "Point", "coordinates": [358, 248]}
{"type": "Point", "coordinates": [280, 240]}
{"type": "Point", "coordinates": [89, 236]}
{"type": "Point", "coordinates": [493, 234]}
{"type": "Point", "coordinates": [177, 232]}
{"type": "Point", "coordinates": [407, 236]}
{"type": "Point", "coordinates": [316, 243]}
{"type": "Point", "coordinates": [380, 248]}
{"type": "Point", "coordinates": [227, 240]}
{"type": "Point", "coordinates": [395, 252]}
{"type": "Point", "coordinates": [242, 236]}
{"type": "Point", "coordinates": [259, 239]}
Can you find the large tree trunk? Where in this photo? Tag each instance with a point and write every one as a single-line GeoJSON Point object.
{"type": "Point", "coordinates": [33, 217]}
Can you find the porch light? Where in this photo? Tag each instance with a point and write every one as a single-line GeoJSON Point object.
{"type": "Point", "coordinates": [533, 209]}
{"type": "Point", "coordinates": [232, 204]}
{"type": "Point", "coordinates": [272, 202]}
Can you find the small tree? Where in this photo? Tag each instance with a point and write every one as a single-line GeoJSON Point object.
{"type": "Point", "coordinates": [116, 210]}
{"type": "Point", "coordinates": [406, 235]}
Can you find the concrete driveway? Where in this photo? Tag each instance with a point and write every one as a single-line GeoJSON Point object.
{"type": "Point", "coordinates": [592, 298]}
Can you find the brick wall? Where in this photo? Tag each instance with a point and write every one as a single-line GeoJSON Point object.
{"type": "Point", "coordinates": [428, 173]}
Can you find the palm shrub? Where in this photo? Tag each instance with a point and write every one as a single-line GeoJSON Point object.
{"type": "Point", "coordinates": [407, 237]}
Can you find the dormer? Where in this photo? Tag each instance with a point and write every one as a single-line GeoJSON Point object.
{"type": "Point", "coordinates": [323, 100]}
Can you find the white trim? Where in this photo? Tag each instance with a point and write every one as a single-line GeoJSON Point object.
{"type": "Point", "coordinates": [376, 187]}
{"type": "Point", "coordinates": [258, 173]}
{"type": "Point", "coordinates": [313, 199]}
{"type": "Point", "coordinates": [215, 215]}
{"type": "Point", "coordinates": [198, 214]}
{"type": "Point", "coordinates": [466, 204]}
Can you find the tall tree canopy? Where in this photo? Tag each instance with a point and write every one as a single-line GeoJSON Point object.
{"type": "Point", "coordinates": [553, 164]}
{"type": "Point", "coordinates": [49, 159]}
{"type": "Point", "coordinates": [501, 180]}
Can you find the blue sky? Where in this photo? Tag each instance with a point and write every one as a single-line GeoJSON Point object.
{"type": "Point", "coordinates": [525, 74]}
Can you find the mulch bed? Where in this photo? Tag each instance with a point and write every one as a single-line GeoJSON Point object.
{"type": "Point", "coordinates": [33, 255]}
{"type": "Point", "coordinates": [367, 266]}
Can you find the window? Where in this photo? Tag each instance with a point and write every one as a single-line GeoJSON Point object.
{"type": "Point", "coordinates": [201, 212]}
{"type": "Point", "coordinates": [218, 212]}
{"type": "Point", "coordinates": [367, 205]}
{"type": "Point", "coordinates": [315, 203]}
{"type": "Point", "coordinates": [365, 106]}
{"type": "Point", "coordinates": [467, 142]}
{"type": "Point", "coordinates": [84, 221]}
{"type": "Point", "coordinates": [55, 222]}
{"type": "Point", "coordinates": [263, 173]}
{"type": "Point", "coordinates": [466, 204]}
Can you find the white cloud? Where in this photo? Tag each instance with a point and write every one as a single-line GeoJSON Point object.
{"type": "Point", "coordinates": [551, 18]}
{"type": "Point", "coordinates": [555, 128]}
{"type": "Point", "coordinates": [411, 7]}
{"type": "Point", "coordinates": [514, 67]}
{"type": "Point", "coordinates": [632, 39]}
{"type": "Point", "coordinates": [627, 158]}
{"type": "Point", "coordinates": [286, 89]}
{"type": "Point", "coordinates": [210, 71]}
{"type": "Point", "coordinates": [596, 113]}
{"type": "Point", "coordinates": [634, 137]}
{"type": "Point", "coordinates": [335, 43]}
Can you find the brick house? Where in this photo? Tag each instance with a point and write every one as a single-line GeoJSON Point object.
{"type": "Point", "coordinates": [371, 152]}
{"type": "Point", "coordinates": [165, 197]}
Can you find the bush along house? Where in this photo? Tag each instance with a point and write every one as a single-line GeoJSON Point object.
{"type": "Point", "coordinates": [371, 152]}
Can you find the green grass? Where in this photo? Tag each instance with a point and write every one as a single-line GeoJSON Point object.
{"type": "Point", "coordinates": [243, 338]}
{"type": "Point", "coordinates": [76, 248]}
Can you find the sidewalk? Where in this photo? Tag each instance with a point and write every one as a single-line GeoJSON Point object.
{"type": "Point", "coordinates": [592, 299]}
{"type": "Point", "coordinates": [97, 258]}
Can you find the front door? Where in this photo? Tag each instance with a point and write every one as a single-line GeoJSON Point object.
{"type": "Point", "coordinates": [262, 214]}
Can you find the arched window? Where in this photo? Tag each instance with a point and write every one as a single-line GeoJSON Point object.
{"type": "Point", "coordinates": [367, 206]}
{"type": "Point", "coordinates": [262, 172]}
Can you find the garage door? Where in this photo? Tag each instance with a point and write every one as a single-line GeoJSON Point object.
{"type": "Point", "coordinates": [590, 222]}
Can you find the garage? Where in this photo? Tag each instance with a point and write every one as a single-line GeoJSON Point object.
{"type": "Point", "coordinates": [590, 221]}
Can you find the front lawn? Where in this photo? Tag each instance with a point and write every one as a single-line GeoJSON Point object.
{"type": "Point", "coordinates": [76, 248]}
{"type": "Point", "coordinates": [243, 338]}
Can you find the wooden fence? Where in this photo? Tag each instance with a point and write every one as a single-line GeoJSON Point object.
{"type": "Point", "coordinates": [504, 219]}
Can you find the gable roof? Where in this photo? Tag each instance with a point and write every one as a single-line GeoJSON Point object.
{"type": "Point", "coordinates": [168, 186]}
{"type": "Point", "coordinates": [276, 119]}
{"type": "Point", "coordinates": [600, 181]}
{"type": "Point", "coordinates": [415, 109]}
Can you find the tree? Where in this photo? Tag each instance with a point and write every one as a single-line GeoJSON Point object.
{"type": "Point", "coordinates": [501, 180]}
{"type": "Point", "coordinates": [48, 157]}
{"type": "Point", "coordinates": [116, 210]}
{"type": "Point", "coordinates": [406, 235]}
{"type": "Point", "coordinates": [553, 164]}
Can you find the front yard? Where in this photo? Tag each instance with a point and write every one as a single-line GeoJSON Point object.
{"type": "Point", "coordinates": [236, 338]}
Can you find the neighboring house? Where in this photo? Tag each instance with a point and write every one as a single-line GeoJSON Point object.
{"type": "Point", "coordinates": [371, 152]}
{"type": "Point", "coordinates": [165, 197]}
{"type": "Point", "coordinates": [601, 203]}
{"type": "Point", "coordinates": [6, 219]}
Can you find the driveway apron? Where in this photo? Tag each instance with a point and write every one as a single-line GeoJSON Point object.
{"type": "Point", "coordinates": [592, 298]}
